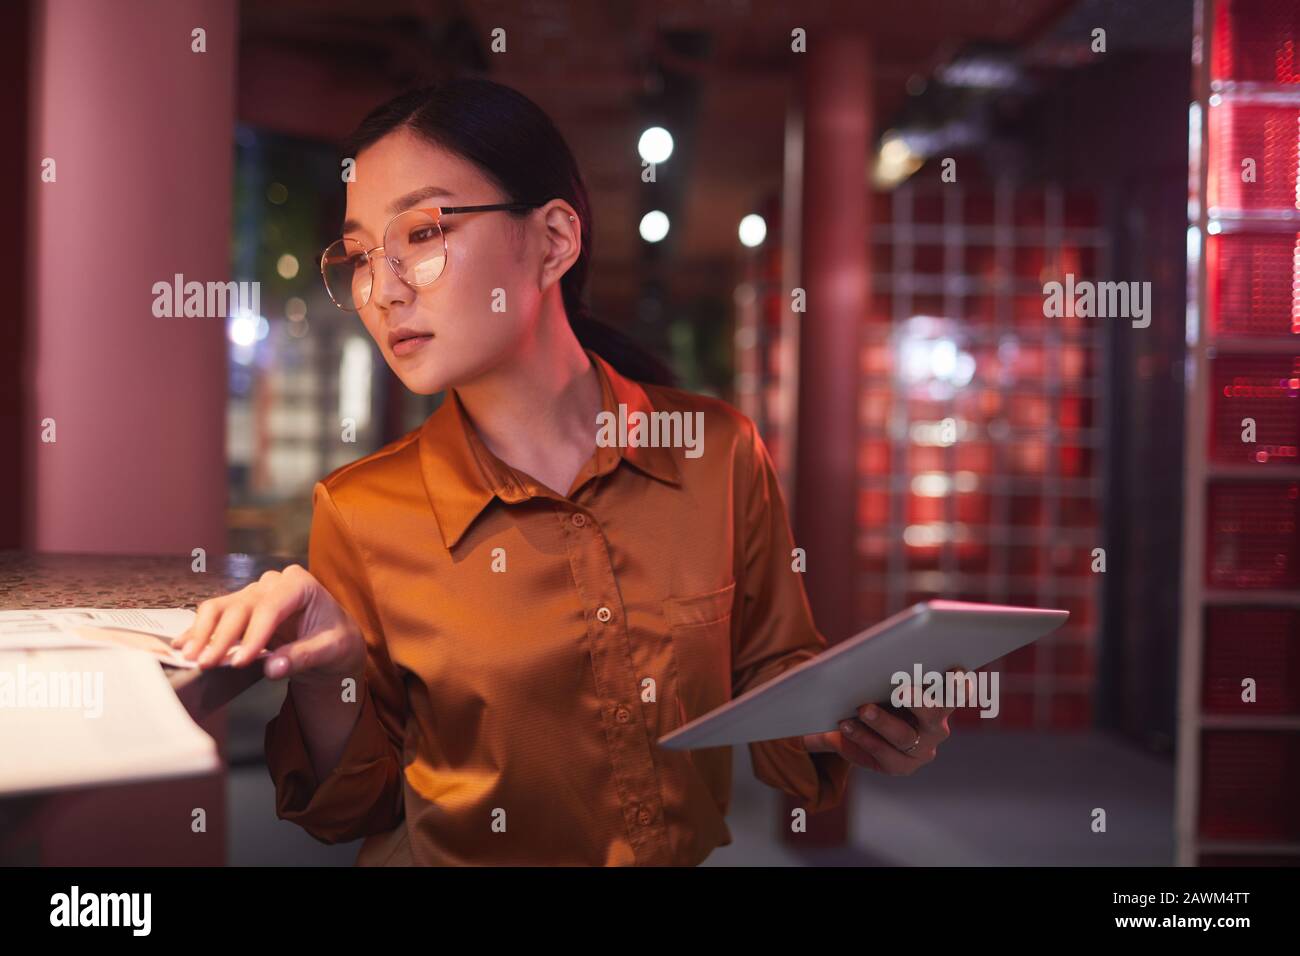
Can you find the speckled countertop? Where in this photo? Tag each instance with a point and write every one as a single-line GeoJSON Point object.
{"type": "Point", "coordinates": [41, 580]}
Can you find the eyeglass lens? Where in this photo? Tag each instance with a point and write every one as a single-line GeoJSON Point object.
{"type": "Point", "coordinates": [414, 245]}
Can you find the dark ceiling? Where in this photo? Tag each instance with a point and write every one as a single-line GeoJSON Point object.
{"type": "Point", "coordinates": [716, 72]}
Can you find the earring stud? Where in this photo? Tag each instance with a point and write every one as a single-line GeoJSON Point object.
{"type": "Point", "coordinates": [570, 219]}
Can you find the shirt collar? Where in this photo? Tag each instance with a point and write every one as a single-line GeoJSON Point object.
{"type": "Point", "coordinates": [461, 475]}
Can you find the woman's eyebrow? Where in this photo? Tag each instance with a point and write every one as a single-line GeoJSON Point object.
{"type": "Point", "coordinates": [403, 203]}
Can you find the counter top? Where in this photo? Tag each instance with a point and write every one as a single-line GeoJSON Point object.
{"type": "Point", "coordinates": [31, 580]}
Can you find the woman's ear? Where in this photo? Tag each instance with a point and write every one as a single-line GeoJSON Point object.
{"type": "Point", "coordinates": [562, 242]}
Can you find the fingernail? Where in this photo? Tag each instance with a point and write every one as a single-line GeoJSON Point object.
{"type": "Point", "coordinates": [848, 727]}
{"type": "Point", "coordinates": [871, 712]}
{"type": "Point", "coordinates": [276, 666]}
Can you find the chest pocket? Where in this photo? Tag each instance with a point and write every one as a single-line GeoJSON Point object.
{"type": "Point", "coordinates": [699, 628]}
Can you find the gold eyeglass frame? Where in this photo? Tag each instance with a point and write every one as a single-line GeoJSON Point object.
{"type": "Point", "coordinates": [437, 221]}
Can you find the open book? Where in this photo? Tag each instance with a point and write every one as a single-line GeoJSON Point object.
{"type": "Point", "coordinates": [148, 629]}
{"type": "Point", "coordinates": [77, 716]}
{"type": "Point", "coordinates": [83, 699]}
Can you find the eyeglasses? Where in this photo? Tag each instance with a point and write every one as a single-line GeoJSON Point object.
{"type": "Point", "coordinates": [414, 246]}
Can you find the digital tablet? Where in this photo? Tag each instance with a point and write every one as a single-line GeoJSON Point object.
{"type": "Point", "coordinates": [933, 636]}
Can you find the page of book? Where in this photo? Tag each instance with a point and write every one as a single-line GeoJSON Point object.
{"type": "Point", "coordinates": [83, 716]}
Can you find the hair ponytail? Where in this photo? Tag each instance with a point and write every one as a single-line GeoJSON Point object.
{"type": "Point", "coordinates": [629, 358]}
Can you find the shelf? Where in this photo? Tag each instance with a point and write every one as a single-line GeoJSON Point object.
{"type": "Point", "coordinates": [1242, 92]}
{"type": "Point", "coordinates": [990, 536]}
{"type": "Point", "coordinates": [989, 485]}
{"type": "Point", "coordinates": [1076, 438]}
{"type": "Point", "coordinates": [965, 286]}
{"type": "Point", "coordinates": [1252, 345]}
{"type": "Point", "coordinates": [1255, 472]}
{"type": "Point", "coordinates": [957, 581]}
{"type": "Point", "coordinates": [1247, 722]}
{"type": "Point", "coordinates": [1253, 598]}
{"type": "Point", "coordinates": [940, 234]}
{"type": "Point", "coordinates": [992, 334]}
{"type": "Point", "coordinates": [1261, 848]}
{"type": "Point", "coordinates": [1247, 220]}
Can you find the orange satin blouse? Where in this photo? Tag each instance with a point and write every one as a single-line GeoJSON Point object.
{"type": "Point", "coordinates": [526, 650]}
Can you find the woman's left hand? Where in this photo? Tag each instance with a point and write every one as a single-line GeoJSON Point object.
{"type": "Point", "coordinates": [897, 744]}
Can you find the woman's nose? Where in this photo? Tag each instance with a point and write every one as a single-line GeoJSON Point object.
{"type": "Point", "coordinates": [388, 289]}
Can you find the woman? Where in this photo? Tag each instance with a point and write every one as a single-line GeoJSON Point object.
{"type": "Point", "coordinates": [504, 613]}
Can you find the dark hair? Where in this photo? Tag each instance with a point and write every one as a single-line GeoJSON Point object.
{"type": "Point", "coordinates": [519, 148]}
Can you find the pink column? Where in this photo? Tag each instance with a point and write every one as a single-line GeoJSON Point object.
{"type": "Point", "coordinates": [835, 272]}
{"type": "Point", "coordinates": [141, 130]}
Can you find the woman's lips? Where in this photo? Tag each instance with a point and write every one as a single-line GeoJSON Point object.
{"type": "Point", "coordinates": [406, 346]}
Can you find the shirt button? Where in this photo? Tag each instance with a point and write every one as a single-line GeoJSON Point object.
{"type": "Point", "coordinates": [644, 816]}
{"type": "Point", "coordinates": [579, 520]}
{"type": "Point", "coordinates": [604, 614]}
{"type": "Point", "coordinates": [622, 715]}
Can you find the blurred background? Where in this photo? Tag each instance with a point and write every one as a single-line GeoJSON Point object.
{"type": "Point", "coordinates": [921, 170]}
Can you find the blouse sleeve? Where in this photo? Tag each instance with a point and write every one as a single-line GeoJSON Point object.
{"type": "Point", "coordinates": [363, 794]}
{"type": "Point", "coordinates": [777, 631]}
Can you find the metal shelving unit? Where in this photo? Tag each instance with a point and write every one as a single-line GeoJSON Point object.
{"type": "Point", "coordinates": [1010, 511]}
{"type": "Point", "coordinates": [1238, 763]}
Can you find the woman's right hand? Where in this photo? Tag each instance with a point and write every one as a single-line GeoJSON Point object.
{"type": "Point", "coordinates": [313, 639]}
